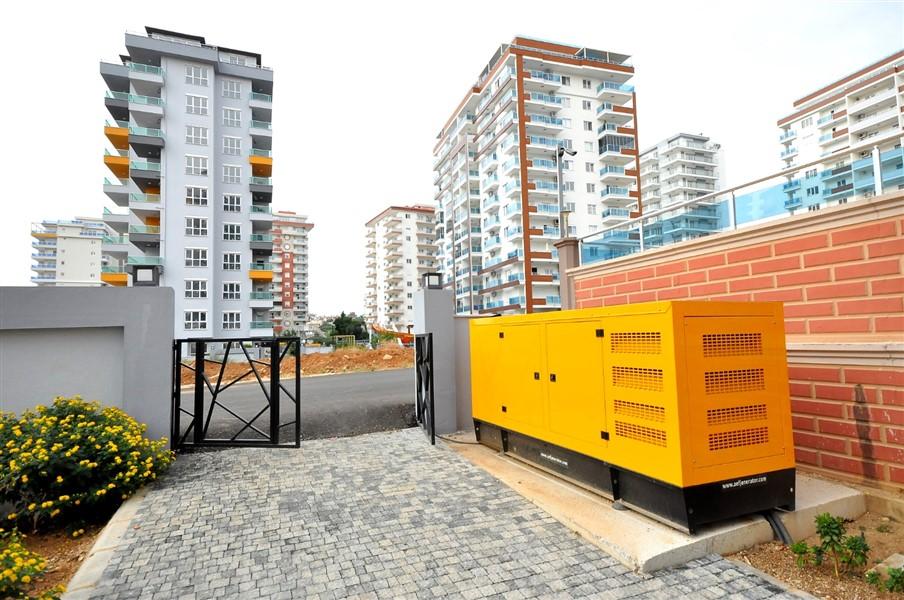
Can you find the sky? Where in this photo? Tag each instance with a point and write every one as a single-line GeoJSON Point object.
{"type": "Point", "coordinates": [362, 89]}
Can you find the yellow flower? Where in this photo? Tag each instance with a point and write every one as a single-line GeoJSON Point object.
{"type": "Point", "coordinates": [59, 479]}
{"type": "Point", "coordinates": [26, 579]}
{"type": "Point", "coordinates": [32, 506]}
{"type": "Point", "coordinates": [11, 516]}
{"type": "Point", "coordinates": [25, 479]}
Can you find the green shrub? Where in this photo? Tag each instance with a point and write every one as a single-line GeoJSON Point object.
{"type": "Point", "coordinates": [873, 578]}
{"type": "Point", "coordinates": [20, 569]}
{"type": "Point", "coordinates": [895, 581]}
{"type": "Point", "coordinates": [74, 459]}
{"type": "Point", "coordinates": [846, 551]}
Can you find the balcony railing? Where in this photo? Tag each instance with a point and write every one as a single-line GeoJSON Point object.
{"type": "Point", "coordinates": [261, 124]}
{"type": "Point", "coordinates": [261, 152]}
{"type": "Point", "coordinates": [145, 260]}
{"type": "Point", "coordinates": [261, 295]}
{"type": "Point", "coordinates": [619, 87]}
{"type": "Point", "coordinates": [261, 180]}
{"type": "Point", "coordinates": [148, 100]}
{"type": "Point", "coordinates": [546, 76]}
{"type": "Point", "coordinates": [148, 131]}
{"type": "Point", "coordinates": [115, 239]}
{"type": "Point", "coordinates": [261, 324]}
{"type": "Point", "coordinates": [261, 97]}
{"type": "Point", "coordinates": [144, 165]}
{"type": "Point", "coordinates": [151, 229]}
{"type": "Point", "coordinates": [255, 209]}
{"type": "Point", "coordinates": [260, 237]}
{"type": "Point", "coordinates": [140, 68]}
{"type": "Point", "coordinates": [150, 198]}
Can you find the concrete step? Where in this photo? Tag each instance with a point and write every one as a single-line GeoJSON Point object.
{"type": "Point", "coordinates": [641, 543]}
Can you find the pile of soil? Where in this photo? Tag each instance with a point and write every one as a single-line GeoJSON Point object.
{"type": "Point", "coordinates": [884, 536]}
{"type": "Point", "coordinates": [64, 554]}
{"type": "Point", "coordinates": [343, 360]}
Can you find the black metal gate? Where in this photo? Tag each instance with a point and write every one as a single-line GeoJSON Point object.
{"type": "Point", "coordinates": [212, 421]}
{"type": "Point", "coordinates": [423, 368]}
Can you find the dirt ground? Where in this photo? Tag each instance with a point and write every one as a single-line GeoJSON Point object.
{"type": "Point", "coordinates": [63, 552]}
{"type": "Point", "coordinates": [343, 360]}
{"type": "Point", "coordinates": [884, 536]}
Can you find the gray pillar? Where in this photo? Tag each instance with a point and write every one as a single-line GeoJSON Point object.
{"type": "Point", "coordinates": [569, 257]}
{"type": "Point", "coordinates": [434, 312]}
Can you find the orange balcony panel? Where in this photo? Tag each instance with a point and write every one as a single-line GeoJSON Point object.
{"type": "Point", "coordinates": [117, 279]}
{"type": "Point", "coordinates": [118, 136]}
{"type": "Point", "coordinates": [261, 166]}
{"type": "Point", "coordinates": [259, 275]}
{"type": "Point", "coordinates": [119, 165]}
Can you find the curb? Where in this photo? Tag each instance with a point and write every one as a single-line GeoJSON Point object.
{"type": "Point", "coordinates": [85, 580]}
{"type": "Point", "coordinates": [312, 375]}
{"type": "Point", "coordinates": [743, 566]}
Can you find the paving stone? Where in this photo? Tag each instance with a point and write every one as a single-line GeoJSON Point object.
{"type": "Point", "coordinates": [375, 516]}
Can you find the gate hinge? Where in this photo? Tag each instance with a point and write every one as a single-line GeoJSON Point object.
{"type": "Point", "coordinates": [604, 435]}
{"type": "Point", "coordinates": [600, 332]}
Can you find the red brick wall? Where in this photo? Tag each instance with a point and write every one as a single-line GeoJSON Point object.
{"type": "Point", "coordinates": [841, 278]}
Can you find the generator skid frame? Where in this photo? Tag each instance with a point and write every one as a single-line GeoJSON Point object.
{"type": "Point", "coordinates": [679, 410]}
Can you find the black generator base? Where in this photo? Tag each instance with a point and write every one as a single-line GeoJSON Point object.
{"type": "Point", "coordinates": [682, 508]}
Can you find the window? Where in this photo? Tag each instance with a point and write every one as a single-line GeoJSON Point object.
{"type": "Point", "coordinates": [569, 206]}
{"type": "Point", "coordinates": [586, 84]}
{"type": "Point", "coordinates": [232, 174]}
{"type": "Point", "coordinates": [232, 319]}
{"type": "Point", "coordinates": [591, 189]}
{"type": "Point", "coordinates": [591, 208]}
{"type": "Point", "coordinates": [812, 191]}
{"type": "Point", "coordinates": [195, 165]}
{"type": "Point", "coordinates": [566, 80]}
{"type": "Point", "coordinates": [568, 186]}
{"type": "Point", "coordinates": [588, 126]}
{"type": "Point", "coordinates": [196, 75]}
{"type": "Point", "coordinates": [586, 105]}
{"type": "Point", "coordinates": [813, 208]}
{"type": "Point", "coordinates": [806, 122]}
{"type": "Point", "coordinates": [196, 257]}
{"type": "Point", "coordinates": [196, 319]}
{"type": "Point", "coordinates": [196, 135]}
{"type": "Point", "coordinates": [232, 290]}
{"type": "Point", "coordinates": [236, 60]}
{"type": "Point", "coordinates": [811, 173]}
{"type": "Point", "coordinates": [567, 165]}
{"type": "Point", "coordinates": [232, 261]}
{"type": "Point", "coordinates": [195, 288]}
{"type": "Point", "coordinates": [195, 196]}
{"type": "Point", "coordinates": [195, 226]}
{"type": "Point", "coordinates": [232, 117]}
{"type": "Point", "coordinates": [195, 105]}
{"type": "Point", "coordinates": [232, 89]}
{"type": "Point", "coordinates": [588, 146]}
{"type": "Point", "coordinates": [232, 145]}
{"type": "Point", "coordinates": [588, 167]}
{"type": "Point", "coordinates": [232, 231]}
{"type": "Point", "coordinates": [232, 203]}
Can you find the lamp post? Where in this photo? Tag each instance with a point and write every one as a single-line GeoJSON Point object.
{"type": "Point", "coordinates": [563, 224]}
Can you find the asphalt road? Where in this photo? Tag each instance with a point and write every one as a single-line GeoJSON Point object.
{"type": "Point", "coordinates": [331, 406]}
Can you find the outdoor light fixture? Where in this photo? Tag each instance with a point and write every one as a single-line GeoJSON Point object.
{"type": "Point", "coordinates": [563, 218]}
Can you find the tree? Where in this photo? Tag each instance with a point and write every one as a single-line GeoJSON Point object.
{"type": "Point", "coordinates": [349, 325]}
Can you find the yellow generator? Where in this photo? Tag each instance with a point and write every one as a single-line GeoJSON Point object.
{"type": "Point", "coordinates": [679, 410]}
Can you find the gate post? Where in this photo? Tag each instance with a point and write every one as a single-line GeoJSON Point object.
{"type": "Point", "coordinates": [274, 390]}
{"type": "Point", "coordinates": [198, 433]}
{"type": "Point", "coordinates": [176, 408]}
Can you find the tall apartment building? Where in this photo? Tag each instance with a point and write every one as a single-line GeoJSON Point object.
{"type": "Point", "coordinates": [290, 271]}
{"type": "Point", "coordinates": [850, 113]}
{"type": "Point", "coordinates": [400, 250]}
{"type": "Point", "coordinates": [677, 169]}
{"type": "Point", "coordinates": [495, 169]}
{"type": "Point", "coordinates": [191, 162]}
{"type": "Point", "coordinates": [68, 252]}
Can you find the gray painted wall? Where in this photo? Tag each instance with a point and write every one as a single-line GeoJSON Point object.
{"type": "Point", "coordinates": [108, 344]}
{"type": "Point", "coordinates": [433, 313]}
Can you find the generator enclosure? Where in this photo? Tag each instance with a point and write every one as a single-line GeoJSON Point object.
{"type": "Point", "coordinates": [679, 410]}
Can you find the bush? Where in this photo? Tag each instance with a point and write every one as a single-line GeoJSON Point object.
{"type": "Point", "coordinates": [74, 459]}
{"type": "Point", "coordinates": [20, 568]}
{"type": "Point", "coordinates": [846, 551]}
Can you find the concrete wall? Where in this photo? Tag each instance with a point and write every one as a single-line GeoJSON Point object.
{"type": "Point", "coordinates": [108, 344]}
{"type": "Point", "coordinates": [433, 313]}
{"type": "Point", "coordinates": [840, 274]}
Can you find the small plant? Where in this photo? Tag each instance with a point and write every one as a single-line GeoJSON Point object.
{"type": "Point", "coordinates": [895, 581]}
{"type": "Point", "coordinates": [846, 551]}
{"type": "Point", "coordinates": [873, 578]}
{"type": "Point", "coordinates": [20, 569]}
{"type": "Point", "coordinates": [884, 528]}
{"type": "Point", "coordinates": [73, 460]}
{"type": "Point", "coordinates": [801, 552]}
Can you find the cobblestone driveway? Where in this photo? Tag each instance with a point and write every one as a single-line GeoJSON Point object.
{"type": "Point", "coordinates": [378, 516]}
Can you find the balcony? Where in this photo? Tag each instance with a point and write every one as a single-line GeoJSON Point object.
{"type": "Point", "coordinates": [118, 134]}
{"type": "Point", "coordinates": [545, 100]}
{"type": "Point", "coordinates": [115, 244]}
{"type": "Point", "coordinates": [114, 275]}
{"type": "Point", "coordinates": [616, 175]}
{"type": "Point", "coordinates": [612, 113]}
{"type": "Point", "coordinates": [260, 299]}
{"type": "Point", "coordinates": [261, 324]}
{"type": "Point", "coordinates": [144, 200]}
{"type": "Point", "coordinates": [142, 72]}
{"type": "Point", "coordinates": [264, 128]}
{"type": "Point", "coordinates": [791, 185]}
{"type": "Point", "coordinates": [261, 162]}
{"type": "Point", "coordinates": [612, 216]}
{"type": "Point", "coordinates": [545, 123]}
{"type": "Point", "coordinates": [145, 261]}
{"type": "Point", "coordinates": [145, 172]}
{"type": "Point", "coordinates": [787, 136]}
{"type": "Point", "coordinates": [144, 234]}
{"type": "Point", "coordinates": [792, 203]}
{"type": "Point", "coordinates": [118, 163]}
{"type": "Point", "coordinates": [258, 100]}
{"type": "Point", "coordinates": [788, 153]}
{"type": "Point", "coordinates": [544, 80]}
{"type": "Point", "coordinates": [260, 271]}
{"type": "Point", "coordinates": [619, 93]}
{"type": "Point", "coordinates": [616, 154]}
{"type": "Point", "coordinates": [544, 188]}
{"type": "Point", "coordinates": [617, 196]}
{"type": "Point", "coordinates": [261, 188]}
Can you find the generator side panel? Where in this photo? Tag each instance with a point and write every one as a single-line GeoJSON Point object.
{"type": "Point", "coordinates": [640, 387]}
{"type": "Point", "coordinates": [736, 400]}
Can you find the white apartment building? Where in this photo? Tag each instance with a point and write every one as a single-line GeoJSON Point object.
{"type": "Point", "coordinates": [677, 169]}
{"type": "Point", "coordinates": [495, 170]}
{"type": "Point", "coordinates": [400, 250]}
{"type": "Point", "coordinates": [190, 157]}
{"type": "Point", "coordinates": [290, 271]}
{"type": "Point", "coordinates": [861, 112]}
{"type": "Point", "coordinates": [68, 252]}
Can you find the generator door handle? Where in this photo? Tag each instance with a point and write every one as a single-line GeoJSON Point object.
{"type": "Point", "coordinates": [552, 377]}
{"type": "Point", "coordinates": [536, 375]}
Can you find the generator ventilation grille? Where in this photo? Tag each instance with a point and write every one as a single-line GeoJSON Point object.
{"type": "Point", "coordinates": [647, 435]}
{"type": "Point", "coordinates": [636, 342]}
{"type": "Point", "coordinates": [736, 380]}
{"type": "Point", "coordinates": [732, 344]}
{"type": "Point", "coordinates": [737, 438]}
